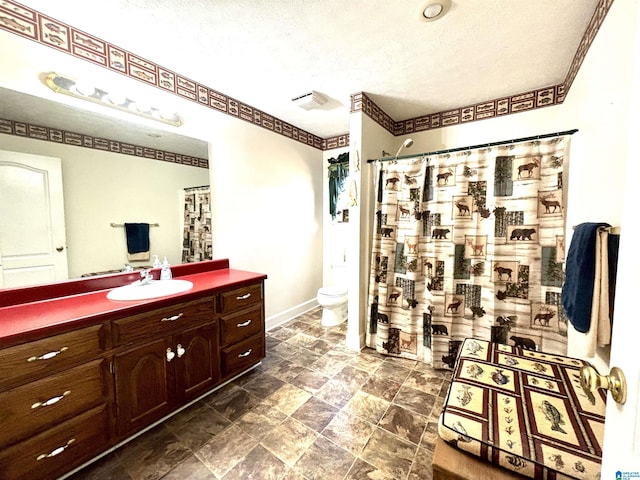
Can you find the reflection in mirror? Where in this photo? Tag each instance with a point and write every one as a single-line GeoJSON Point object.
{"type": "Point", "coordinates": [107, 180]}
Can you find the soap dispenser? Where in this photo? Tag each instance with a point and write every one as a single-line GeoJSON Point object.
{"type": "Point", "coordinates": [156, 262]}
{"type": "Point", "coordinates": [165, 273]}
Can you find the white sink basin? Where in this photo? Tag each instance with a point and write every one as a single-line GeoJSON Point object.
{"type": "Point", "coordinates": [155, 289]}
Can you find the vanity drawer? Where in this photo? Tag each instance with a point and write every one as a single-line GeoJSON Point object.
{"type": "Point", "coordinates": [242, 355]}
{"type": "Point", "coordinates": [33, 407]}
{"type": "Point", "coordinates": [239, 326]}
{"type": "Point", "coordinates": [58, 450]}
{"type": "Point", "coordinates": [41, 357]}
{"type": "Point", "coordinates": [162, 321]}
{"type": "Point", "coordinates": [240, 298]}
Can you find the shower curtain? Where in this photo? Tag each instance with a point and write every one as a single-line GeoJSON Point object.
{"type": "Point", "coordinates": [196, 243]}
{"type": "Point", "coordinates": [469, 244]}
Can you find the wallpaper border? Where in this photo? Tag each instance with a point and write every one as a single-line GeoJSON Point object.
{"type": "Point", "coordinates": [55, 135]}
{"type": "Point", "coordinates": [31, 24]}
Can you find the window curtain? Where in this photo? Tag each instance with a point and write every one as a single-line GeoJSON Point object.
{"type": "Point", "coordinates": [196, 244]}
{"type": "Point", "coordinates": [469, 244]}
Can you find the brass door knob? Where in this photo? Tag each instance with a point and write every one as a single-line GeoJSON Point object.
{"type": "Point", "coordinates": [615, 382]}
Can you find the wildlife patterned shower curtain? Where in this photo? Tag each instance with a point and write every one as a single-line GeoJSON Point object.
{"type": "Point", "coordinates": [196, 238]}
{"type": "Point", "coordinates": [469, 244]}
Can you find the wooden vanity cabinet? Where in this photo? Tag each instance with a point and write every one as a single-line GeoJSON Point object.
{"type": "Point", "coordinates": [67, 398]}
{"type": "Point", "coordinates": [169, 356]}
{"type": "Point", "coordinates": [54, 403]}
{"type": "Point", "coordinates": [242, 337]}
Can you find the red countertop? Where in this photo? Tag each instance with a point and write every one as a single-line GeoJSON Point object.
{"type": "Point", "coordinates": [46, 316]}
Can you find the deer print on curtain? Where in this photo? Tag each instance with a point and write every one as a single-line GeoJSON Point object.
{"type": "Point", "coordinates": [196, 239]}
{"type": "Point", "coordinates": [469, 244]}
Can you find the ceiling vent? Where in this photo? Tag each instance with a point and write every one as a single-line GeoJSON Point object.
{"type": "Point", "coordinates": [310, 101]}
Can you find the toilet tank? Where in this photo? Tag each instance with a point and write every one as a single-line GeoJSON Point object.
{"type": "Point", "coordinates": [339, 274]}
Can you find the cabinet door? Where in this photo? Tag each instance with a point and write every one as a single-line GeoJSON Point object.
{"type": "Point", "coordinates": [144, 384]}
{"type": "Point", "coordinates": [197, 364]}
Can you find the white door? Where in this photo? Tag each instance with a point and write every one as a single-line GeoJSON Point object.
{"type": "Point", "coordinates": [33, 246]}
{"type": "Point", "coordinates": [621, 451]}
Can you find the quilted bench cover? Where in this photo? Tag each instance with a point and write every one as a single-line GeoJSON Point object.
{"type": "Point", "coordinates": [525, 411]}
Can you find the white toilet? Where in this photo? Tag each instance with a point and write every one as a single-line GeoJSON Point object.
{"type": "Point", "coordinates": [333, 299]}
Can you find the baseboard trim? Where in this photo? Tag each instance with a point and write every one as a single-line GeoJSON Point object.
{"type": "Point", "coordinates": [286, 315]}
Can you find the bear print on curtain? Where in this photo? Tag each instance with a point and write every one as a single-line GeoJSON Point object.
{"type": "Point", "coordinates": [469, 244]}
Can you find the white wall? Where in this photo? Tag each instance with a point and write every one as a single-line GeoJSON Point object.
{"type": "Point", "coordinates": [266, 194]}
{"type": "Point", "coordinates": [598, 104]}
{"type": "Point", "coordinates": [368, 140]}
{"type": "Point", "coordinates": [104, 187]}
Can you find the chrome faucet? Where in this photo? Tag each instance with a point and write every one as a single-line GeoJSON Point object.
{"type": "Point", "coordinates": [145, 277]}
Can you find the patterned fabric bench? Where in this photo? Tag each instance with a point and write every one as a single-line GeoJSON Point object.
{"type": "Point", "coordinates": [525, 411]}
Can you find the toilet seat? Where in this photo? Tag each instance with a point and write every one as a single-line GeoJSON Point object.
{"type": "Point", "coordinates": [333, 291]}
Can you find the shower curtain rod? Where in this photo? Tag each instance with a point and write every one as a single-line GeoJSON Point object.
{"type": "Point", "coordinates": [483, 145]}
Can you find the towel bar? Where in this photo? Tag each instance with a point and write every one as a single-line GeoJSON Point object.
{"type": "Point", "coordinates": [122, 224]}
{"type": "Point", "coordinates": [612, 230]}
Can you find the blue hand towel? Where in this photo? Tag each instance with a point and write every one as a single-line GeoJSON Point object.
{"type": "Point", "coordinates": [577, 292]}
{"type": "Point", "coordinates": [137, 237]}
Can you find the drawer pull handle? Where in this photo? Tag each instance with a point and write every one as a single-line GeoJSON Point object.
{"type": "Point", "coordinates": [245, 354]}
{"type": "Point", "coordinates": [51, 401]}
{"type": "Point", "coordinates": [55, 452]}
{"type": "Point", "coordinates": [48, 356]}
{"type": "Point", "coordinates": [244, 324]}
{"type": "Point", "coordinates": [181, 350]}
{"type": "Point", "coordinates": [243, 297]}
{"type": "Point", "coordinates": [170, 354]}
{"type": "Point", "coordinates": [172, 319]}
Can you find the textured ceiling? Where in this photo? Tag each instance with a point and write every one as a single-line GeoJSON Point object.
{"type": "Point", "coordinates": [264, 53]}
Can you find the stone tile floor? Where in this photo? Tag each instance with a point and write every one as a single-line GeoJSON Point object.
{"type": "Point", "coordinates": [312, 410]}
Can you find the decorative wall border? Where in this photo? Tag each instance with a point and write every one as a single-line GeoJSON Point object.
{"type": "Point", "coordinates": [587, 39]}
{"type": "Point", "coordinates": [31, 24]}
{"type": "Point", "coordinates": [37, 132]}
{"type": "Point", "coordinates": [28, 23]}
{"type": "Point", "coordinates": [543, 97]}
{"type": "Point", "coordinates": [534, 99]}
{"type": "Point", "coordinates": [336, 142]}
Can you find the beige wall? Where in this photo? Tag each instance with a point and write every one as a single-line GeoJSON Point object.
{"type": "Point", "coordinates": [103, 187]}
{"type": "Point", "coordinates": [267, 211]}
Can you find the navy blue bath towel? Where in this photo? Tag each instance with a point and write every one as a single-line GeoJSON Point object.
{"type": "Point", "coordinates": [137, 237]}
{"type": "Point", "coordinates": [577, 292]}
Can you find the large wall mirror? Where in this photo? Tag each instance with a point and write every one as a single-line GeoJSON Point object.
{"type": "Point", "coordinates": [102, 187]}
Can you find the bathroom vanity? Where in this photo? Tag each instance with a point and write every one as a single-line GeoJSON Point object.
{"type": "Point", "coordinates": [80, 373]}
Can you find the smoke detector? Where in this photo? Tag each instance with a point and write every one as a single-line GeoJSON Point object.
{"type": "Point", "coordinates": [310, 100]}
{"type": "Point", "coordinates": [434, 10]}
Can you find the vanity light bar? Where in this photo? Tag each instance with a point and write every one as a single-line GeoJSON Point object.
{"type": "Point", "coordinates": [68, 86]}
